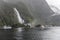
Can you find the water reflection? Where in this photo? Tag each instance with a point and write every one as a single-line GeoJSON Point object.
{"type": "Point", "coordinates": [6, 35]}
{"type": "Point", "coordinates": [52, 33]}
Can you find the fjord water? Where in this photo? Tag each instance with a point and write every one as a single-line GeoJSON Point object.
{"type": "Point", "coordinates": [49, 33]}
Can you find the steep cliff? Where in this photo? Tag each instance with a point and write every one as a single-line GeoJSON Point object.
{"type": "Point", "coordinates": [38, 9]}
{"type": "Point", "coordinates": [8, 16]}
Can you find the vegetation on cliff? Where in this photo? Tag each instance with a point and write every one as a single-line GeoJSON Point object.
{"type": "Point", "coordinates": [8, 16]}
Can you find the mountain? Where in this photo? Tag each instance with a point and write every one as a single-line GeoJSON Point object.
{"type": "Point", "coordinates": [8, 16]}
{"type": "Point", "coordinates": [38, 10]}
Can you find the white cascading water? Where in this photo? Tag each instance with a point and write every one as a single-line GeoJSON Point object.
{"type": "Point", "coordinates": [18, 16]}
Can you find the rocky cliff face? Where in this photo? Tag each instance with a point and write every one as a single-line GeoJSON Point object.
{"type": "Point", "coordinates": [38, 9]}
{"type": "Point", "coordinates": [8, 16]}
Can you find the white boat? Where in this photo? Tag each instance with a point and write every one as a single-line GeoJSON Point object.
{"type": "Point", "coordinates": [7, 27]}
{"type": "Point", "coordinates": [42, 27]}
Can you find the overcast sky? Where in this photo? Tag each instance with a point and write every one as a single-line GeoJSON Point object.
{"type": "Point", "coordinates": [54, 2]}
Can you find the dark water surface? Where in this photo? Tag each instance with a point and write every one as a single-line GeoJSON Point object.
{"type": "Point", "coordinates": [50, 33]}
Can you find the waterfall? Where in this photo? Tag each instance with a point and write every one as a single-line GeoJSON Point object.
{"type": "Point", "coordinates": [18, 16]}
